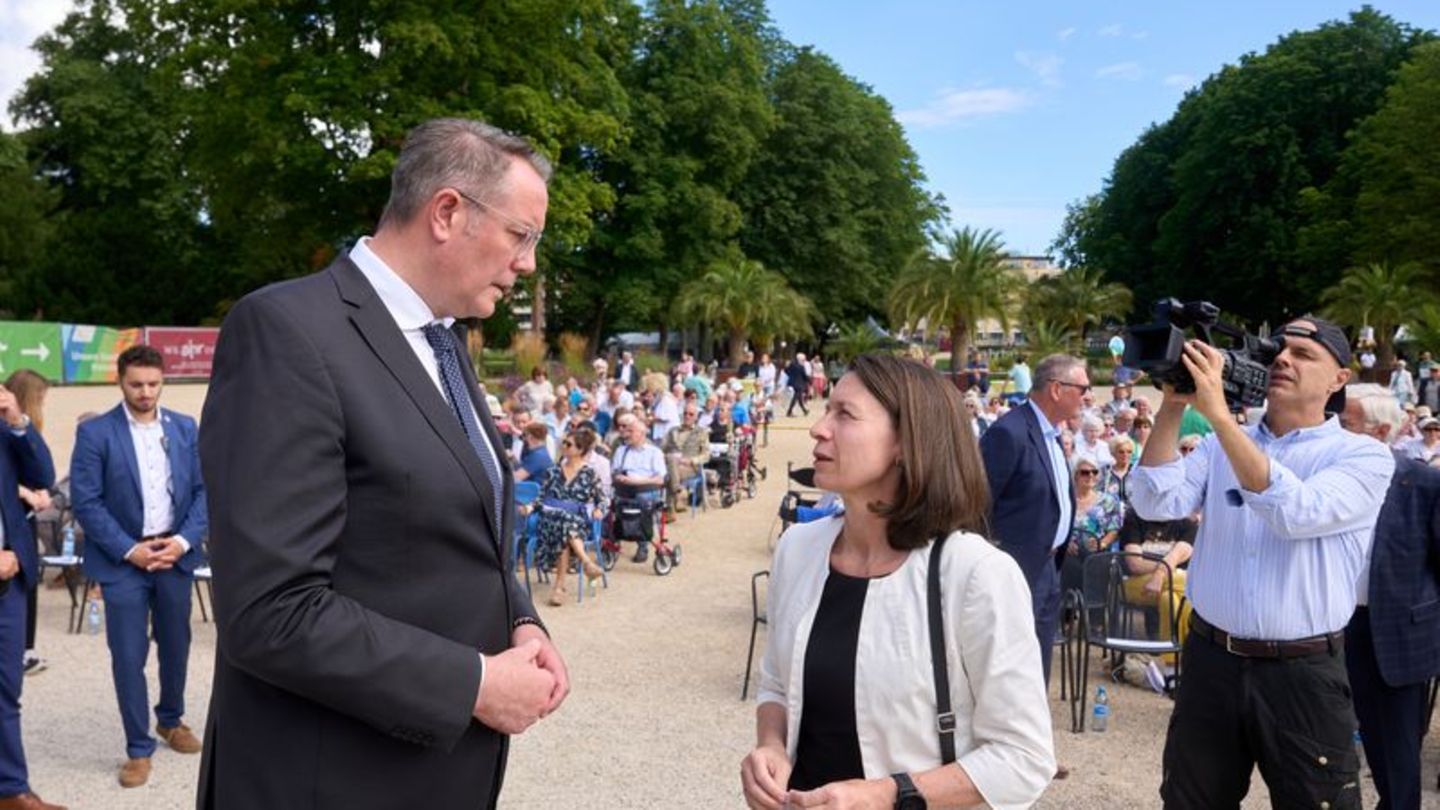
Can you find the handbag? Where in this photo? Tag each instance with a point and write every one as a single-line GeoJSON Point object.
{"type": "Point", "coordinates": [944, 717]}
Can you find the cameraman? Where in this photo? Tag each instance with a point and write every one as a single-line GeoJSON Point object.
{"type": "Point", "coordinates": [1289, 509]}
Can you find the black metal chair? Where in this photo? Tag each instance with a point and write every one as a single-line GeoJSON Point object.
{"type": "Point", "coordinates": [1109, 620]}
{"type": "Point", "coordinates": [758, 617]}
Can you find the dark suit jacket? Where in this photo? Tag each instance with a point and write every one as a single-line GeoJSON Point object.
{"type": "Point", "coordinates": [1422, 392]}
{"type": "Point", "coordinates": [1405, 576]}
{"type": "Point", "coordinates": [797, 375]}
{"type": "Point", "coordinates": [105, 491]}
{"type": "Point", "coordinates": [358, 570]}
{"type": "Point", "coordinates": [26, 462]}
{"type": "Point", "coordinates": [1024, 514]}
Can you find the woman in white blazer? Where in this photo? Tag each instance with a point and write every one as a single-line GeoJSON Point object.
{"type": "Point", "coordinates": [847, 712]}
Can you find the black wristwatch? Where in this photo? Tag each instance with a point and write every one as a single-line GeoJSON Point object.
{"type": "Point", "coordinates": [907, 796]}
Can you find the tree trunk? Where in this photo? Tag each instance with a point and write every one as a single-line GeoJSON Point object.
{"type": "Point", "coordinates": [537, 306]}
{"type": "Point", "coordinates": [664, 340]}
{"type": "Point", "coordinates": [959, 342]}
{"type": "Point", "coordinates": [597, 329]}
{"type": "Point", "coordinates": [737, 348]}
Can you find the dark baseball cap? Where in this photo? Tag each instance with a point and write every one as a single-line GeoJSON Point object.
{"type": "Point", "coordinates": [1332, 337]}
{"type": "Point", "coordinates": [1326, 333]}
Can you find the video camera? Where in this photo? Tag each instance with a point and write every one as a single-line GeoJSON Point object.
{"type": "Point", "coordinates": [1155, 348]}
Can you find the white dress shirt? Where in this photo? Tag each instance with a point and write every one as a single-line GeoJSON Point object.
{"type": "Point", "coordinates": [1284, 563]}
{"type": "Point", "coordinates": [412, 315]}
{"type": "Point", "coordinates": [1002, 737]}
{"type": "Point", "coordinates": [1061, 473]}
{"type": "Point", "coordinates": [156, 482]}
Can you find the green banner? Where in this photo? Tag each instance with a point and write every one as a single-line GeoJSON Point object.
{"type": "Point", "coordinates": [90, 351]}
{"type": "Point", "coordinates": [36, 346]}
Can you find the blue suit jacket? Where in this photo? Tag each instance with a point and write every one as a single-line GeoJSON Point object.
{"type": "Point", "coordinates": [1024, 514]}
{"type": "Point", "coordinates": [24, 460]}
{"type": "Point", "coordinates": [1405, 576]}
{"type": "Point", "coordinates": [105, 491]}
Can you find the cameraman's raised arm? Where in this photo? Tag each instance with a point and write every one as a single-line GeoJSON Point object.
{"type": "Point", "coordinates": [1249, 462]}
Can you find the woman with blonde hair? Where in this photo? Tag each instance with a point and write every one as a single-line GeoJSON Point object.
{"type": "Point", "coordinates": [901, 667]}
{"type": "Point", "coordinates": [30, 388]}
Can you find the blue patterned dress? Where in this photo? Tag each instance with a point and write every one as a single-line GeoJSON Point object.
{"type": "Point", "coordinates": [558, 524]}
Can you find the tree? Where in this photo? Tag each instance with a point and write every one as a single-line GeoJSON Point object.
{"type": "Point", "coordinates": [853, 341]}
{"type": "Point", "coordinates": [1397, 207]}
{"type": "Point", "coordinates": [1212, 203]}
{"type": "Point", "coordinates": [743, 298]}
{"type": "Point", "coordinates": [964, 286]}
{"type": "Point", "coordinates": [1044, 338]}
{"type": "Point", "coordinates": [1077, 299]}
{"type": "Point", "coordinates": [834, 198]}
{"type": "Point", "coordinates": [25, 225]}
{"type": "Point", "coordinates": [1381, 296]}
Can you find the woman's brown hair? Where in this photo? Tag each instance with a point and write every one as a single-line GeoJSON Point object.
{"type": "Point", "coordinates": [942, 487]}
{"type": "Point", "coordinates": [29, 388]}
{"type": "Point", "coordinates": [584, 439]}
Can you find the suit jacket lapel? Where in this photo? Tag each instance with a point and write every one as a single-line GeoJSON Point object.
{"type": "Point", "coordinates": [378, 330]}
{"type": "Point", "coordinates": [487, 423]}
{"type": "Point", "coordinates": [1037, 437]}
{"type": "Point", "coordinates": [121, 425]}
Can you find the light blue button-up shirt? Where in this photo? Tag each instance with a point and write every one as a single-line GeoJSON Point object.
{"type": "Point", "coordinates": [1284, 563]}
{"type": "Point", "coordinates": [1060, 471]}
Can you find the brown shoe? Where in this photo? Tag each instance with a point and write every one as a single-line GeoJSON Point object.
{"type": "Point", "coordinates": [27, 801]}
{"type": "Point", "coordinates": [135, 772]}
{"type": "Point", "coordinates": [180, 738]}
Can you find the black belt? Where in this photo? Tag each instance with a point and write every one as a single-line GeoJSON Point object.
{"type": "Point", "coordinates": [1257, 648]}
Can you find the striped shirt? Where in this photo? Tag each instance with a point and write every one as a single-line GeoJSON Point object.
{"type": "Point", "coordinates": [1284, 563]}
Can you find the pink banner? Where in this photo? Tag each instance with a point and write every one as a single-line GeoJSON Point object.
{"type": "Point", "coordinates": [189, 351]}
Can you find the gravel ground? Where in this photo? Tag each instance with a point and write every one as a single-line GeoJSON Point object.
{"type": "Point", "coordinates": [654, 720]}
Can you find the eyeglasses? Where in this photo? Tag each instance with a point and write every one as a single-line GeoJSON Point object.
{"type": "Point", "coordinates": [1432, 430]}
{"type": "Point", "coordinates": [567, 443]}
{"type": "Point", "coordinates": [1084, 389]}
{"type": "Point", "coordinates": [1087, 473]}
{"type": "Point", "coordinates": [1184, 451]}
{"type": "Point", "coordinates": [529, 235]}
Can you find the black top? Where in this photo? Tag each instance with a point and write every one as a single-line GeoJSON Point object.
{"type": "Point", "coordinates": [829, 746]}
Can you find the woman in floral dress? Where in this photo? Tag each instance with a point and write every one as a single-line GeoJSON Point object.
{"type": "Point", "coordinates": [570, 498]}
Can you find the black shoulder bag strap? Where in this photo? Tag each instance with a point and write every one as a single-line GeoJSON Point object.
{"type": "Point", "coordinates": [945, 718]}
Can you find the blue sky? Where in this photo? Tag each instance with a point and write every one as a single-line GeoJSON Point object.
{"type": "Point", "coordinates": [1017, 109]}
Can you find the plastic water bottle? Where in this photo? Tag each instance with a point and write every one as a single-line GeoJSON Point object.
{"type": "Point", "coordinates": [67, 543]}
{"type": "Point", "coordinates": [1101, 718]}
{"type": "Point", "coordinates": [93, 618]}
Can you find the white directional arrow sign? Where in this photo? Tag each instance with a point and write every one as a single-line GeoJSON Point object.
{"type": "Point", "coordinates": [41, 351]}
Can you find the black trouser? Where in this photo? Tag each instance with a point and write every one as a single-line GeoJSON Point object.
{"type": "Point", "coordinates": [797, 397]}
{"type": "Point", "coordinates": [1392, 719]}
{"type": "Point", "coordinates": [32, 592]}
{"type": "Point", "coordinates": [1290, 716]}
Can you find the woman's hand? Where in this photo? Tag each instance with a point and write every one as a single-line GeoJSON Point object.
{"type": "Point", "coordinates": [764, 773]}
{"type": "Point", "coordinates": [856, 794]}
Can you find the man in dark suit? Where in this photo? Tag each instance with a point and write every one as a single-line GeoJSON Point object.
{"type": "Point", "coordinates": [1428, 393]}
{"type": "Point", "coordinates": [24, 461]}
{"type": "Point", "coordinates": [797, 376]}
{"type": "Point", "coordinates": [1392, 644]}
{"type": "Point", "coordinates": [375, 648]}
{"type": "Point", "coordinates": [1032, 501]}
{"type": "Point", "coordinates": [136, 490]}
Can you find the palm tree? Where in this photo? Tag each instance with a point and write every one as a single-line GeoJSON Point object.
{"type": "Point", "coordinates": [743, 298]}
{"type": "Point", "coordinates": [1044, 338]}
{"type": "Point", "coordinates": [1380, 296]}
{"type": "Point", "coordinates": [1078, 298]}
{"type": "Point", "coordinates": [853, 341]}
{"type": "Point", "coordinates": [957, 290]}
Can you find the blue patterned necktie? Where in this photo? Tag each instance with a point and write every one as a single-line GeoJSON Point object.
{"type": "Point", "coordinates": [447, 357]}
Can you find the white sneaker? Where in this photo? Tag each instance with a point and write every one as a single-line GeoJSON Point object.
{"type": "Point", "coordinates": [34, 664]}
{"type": "Point", "coordinates": [1155, 678]}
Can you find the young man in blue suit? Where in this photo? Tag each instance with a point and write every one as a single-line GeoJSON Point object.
{"type": "Point", "coordinates": [1032, 501]}
{"type": "Point", "coordinates": [24, 460]}
{"type": "Point", "coordinates": [1392, 644]}
{"type": "Point", "coordinates": [136, 488]}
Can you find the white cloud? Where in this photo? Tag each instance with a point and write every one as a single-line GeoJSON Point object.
{"type": "Point", "coordinates": [1140, 35]}
{"type": "Point", "coordinates": [21, 22]}
{"type": "Point", "coordinates": [1184, 81]}
{"type": "Point", "coordinates": [1112, 30]}
{"type": "Point", "coordinates": [1128, 71]}
{"type": "Point", "coordinates": [1045, 66]}
{"type": "Point", "coordinates": [962, 106]}
{"type": "Point", "coordinates": [1065, 33]}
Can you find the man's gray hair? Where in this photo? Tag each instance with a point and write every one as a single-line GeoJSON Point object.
{"type": "Point", "coordinates": [1379, 406]}
{"type": "Point", "coordinates": [460, 153]}
{"type": "Point", "coordinates": [1056, 367]}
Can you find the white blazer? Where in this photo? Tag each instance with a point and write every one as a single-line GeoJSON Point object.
{"type": "Point", "coordinates": [1003, 738]}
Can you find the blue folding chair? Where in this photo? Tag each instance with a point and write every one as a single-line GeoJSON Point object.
{"type": "Point", "coordinates": [592, 545]}
{"type": "Point", "coordinates": [526, 494]}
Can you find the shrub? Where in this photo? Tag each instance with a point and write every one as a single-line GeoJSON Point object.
{"type": "Point", "coordinates": [529, 351]}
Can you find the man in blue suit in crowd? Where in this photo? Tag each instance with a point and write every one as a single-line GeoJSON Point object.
{"type": "Point", "coordinates": [136, 489]}
{"type": "Point", "coordinates": [1032, 501]}
{"type": "Point", "coordinates": [24, 460]}
{"type": "Point", "coordinates": [1392, 644]}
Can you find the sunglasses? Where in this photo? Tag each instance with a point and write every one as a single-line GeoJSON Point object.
{"type": "Point", "coordinates": [1087, 473]}
{"type": "Point", "coordinates": [567, 443]}
{"type": "Point", "coordinates": [1084, 389]}
{"type": "Point", "coordinates": [1432, 430]}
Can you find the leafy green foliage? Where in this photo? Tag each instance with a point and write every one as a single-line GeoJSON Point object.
{"type": "Point", "coordinates": [1378, 295]}
{"type": "Point", "coordinates": [1076, 299]}
{"type": "Point", "coordinates": [743, 298]}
